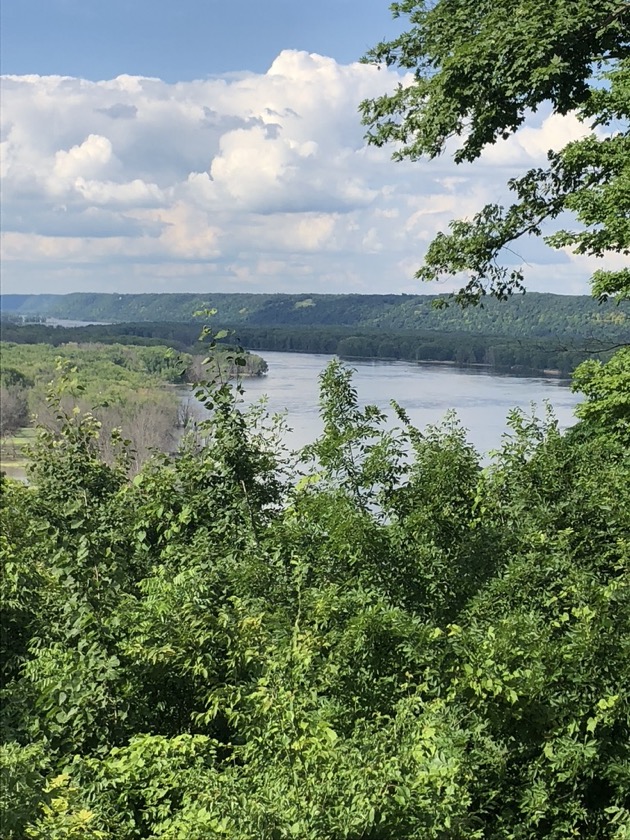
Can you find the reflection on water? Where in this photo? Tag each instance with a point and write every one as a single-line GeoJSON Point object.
{"type": "Point", "coordinates": [482, 400]}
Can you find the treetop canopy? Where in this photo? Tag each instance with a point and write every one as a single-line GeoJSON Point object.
{"type": "Point", "coordinates": [479, 69]}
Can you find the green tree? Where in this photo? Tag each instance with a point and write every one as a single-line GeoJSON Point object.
{"type": "Point", "coordinates": [13, 409]}
{"type": "Point", "coordinates": [479, 67]}
{"type": "Point", "coordinates": [607, 391]}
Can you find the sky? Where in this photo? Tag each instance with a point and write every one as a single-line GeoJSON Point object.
{"type": "Point", "coordinates": [198, 146]}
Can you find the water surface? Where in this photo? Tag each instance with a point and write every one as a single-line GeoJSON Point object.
{"type": "Point", "coordinates": [426, 391]}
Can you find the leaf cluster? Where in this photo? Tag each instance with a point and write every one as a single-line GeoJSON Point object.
{"type": "Point", "coordinates": [478, 70]}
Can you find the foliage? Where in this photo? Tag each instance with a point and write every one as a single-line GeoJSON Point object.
{"type": "Point", "coordinates": [126, 385]}
{"type": "Point", "coordinates": [607, 388]}
{"type": "Point", "coordinates": [478, 69]}
{"type": "Point", "coordinates": [162, 318]}
{"type": "Point", "coordinates": [536, 332]}
{"type": "Point", "coordinates": [391, 642]}
{"type": "Point", "coordinates": [109, 370]}
{"type": "Point", "coordinates": [14, 412]}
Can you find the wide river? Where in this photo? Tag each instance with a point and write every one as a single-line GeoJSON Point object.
{"type": "Point", "coordinates": [427, 391]}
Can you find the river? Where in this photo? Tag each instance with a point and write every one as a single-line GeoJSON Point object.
{"type": "Point", "coordinates": [426, 391]}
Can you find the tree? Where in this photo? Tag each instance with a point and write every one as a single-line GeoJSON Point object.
{"type": "Point", "coordinates": [13, 409]}
{"type": "Point", "coordinates": [479, 68]}
{"type": "Point", "coordinates": [607, 391]}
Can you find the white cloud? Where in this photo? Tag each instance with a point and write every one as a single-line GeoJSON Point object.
{"type": "Point", "coordinates": [136, 193]}
{"type": "Point", "coordinates": [257, 181]}
{"type": "Point", "coordinates": [529, 146]}
{"type": "Point", "coordinates": [90, 158]}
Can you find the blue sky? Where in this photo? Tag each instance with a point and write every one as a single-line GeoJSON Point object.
{"type": "Point", "coordinates": [185, 40]}
{"type": "Point", "coordinates": [151, 145]}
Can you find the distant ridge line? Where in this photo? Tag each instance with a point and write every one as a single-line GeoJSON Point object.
{"type": "Point", "coordinates": [536, 314]}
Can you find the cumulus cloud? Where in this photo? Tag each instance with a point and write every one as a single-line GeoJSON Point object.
{"type": "Point", "coordinates": [249, 181]}
{"type": "Point", "coordinates": [89, 158]}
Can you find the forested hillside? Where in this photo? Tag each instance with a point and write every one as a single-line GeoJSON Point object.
{"type": "Point", "coordinates": [524, 316]}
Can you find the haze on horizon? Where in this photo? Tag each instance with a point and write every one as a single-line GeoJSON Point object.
{"type": "Point", "coordinates": [199, 147]}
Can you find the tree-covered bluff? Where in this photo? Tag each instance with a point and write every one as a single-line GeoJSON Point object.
{"type": "Point", "coordinates": [533, 315]}
{"type": "Point", "coordinates": [530, 333]}
{"type": "Point", "coordinates": [236, 645]}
